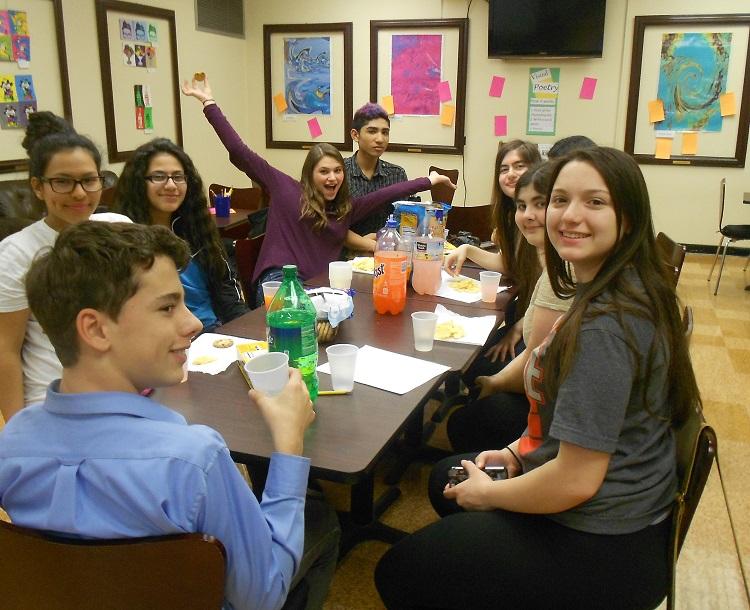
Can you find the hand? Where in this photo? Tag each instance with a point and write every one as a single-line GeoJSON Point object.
{"type": "Point", "coordinates": [288, 414]}
{"type": "Point", "coordinates": [436, 178]}
{"type": "Point", "coordinates": [371, 236]}
{"type": "Point", "coordinates": [505, 349]}
{"type": "Point", "coordinates": [471, 494]}
{"type": "Point", "coordinates": [499, 457]}
{"type": "Point", "coordinates": [486, 385]}
{"type": "Point", "coordinates": [455, 260]}
{"type": "Point", "coordinates": [200, 90]}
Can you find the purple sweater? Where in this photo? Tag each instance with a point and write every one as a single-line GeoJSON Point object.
{"type": "Point", "coordinates": [290, 239]}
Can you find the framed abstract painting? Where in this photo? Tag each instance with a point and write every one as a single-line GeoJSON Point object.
{"type": "Point", "coordinates": [689, 100]}
{"type": "Point", "coordinates": [308, 84]}
{"type": "Point", "coordinates": [418, 74]}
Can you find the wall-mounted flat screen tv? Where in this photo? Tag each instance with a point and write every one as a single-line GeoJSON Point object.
{"type": "Point", "coordinates": [556, 28]}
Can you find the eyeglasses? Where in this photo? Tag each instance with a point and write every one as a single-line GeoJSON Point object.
{"type": "Point", "coordinates": [63, 186]}
{"type": "Point", "coordinates": [164, 178]}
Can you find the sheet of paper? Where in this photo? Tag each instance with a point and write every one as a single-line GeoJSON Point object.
{"type": "Point", "coordinates": [444, 91]}
{"type": "Point", "coordinates": [390, 371]}
{"type": "Point", "coordinates": [588, 87]}
{"type": "Point", "coordinates": [280, 102]}
{"type": "Point", "coordinates": [497, 86]}
{"type": "Point", "coordinates": [655, 111]}
{"type": "Point", "coordinates": [447, 114]}
{"type": "Point", "coordinates": [663, 148]}
{"type": "Point", "coordinates": [475, 330]}
{"type": "Point", "coordinates": [314, 127]}
{"type": "Point", "coordinates": [689, 142]}
{"type": "Point", "coordinates": [205, 357]}
{"type": "Point", "coordinates": [501, 125]}
{"type": "Point", "coordinates": [728, 104]}
{"type": "Point", "coordinates": [387, 104]}
{"type": "Point", "coordinates": [447, 291]}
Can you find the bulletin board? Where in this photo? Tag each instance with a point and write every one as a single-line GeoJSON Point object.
{"type": "Point", "coordinates": [140, 75]}
{"type": "Point", "coordinates": [23, 86]}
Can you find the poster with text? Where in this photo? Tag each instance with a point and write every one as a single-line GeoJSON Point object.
{"type": "Point", "coordinates": [544, 89]}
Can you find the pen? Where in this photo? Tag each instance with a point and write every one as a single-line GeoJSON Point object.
{"type": "Point", "coordinates": [333, 392]}
{"type": "Point", "coordinates": [244, 374]}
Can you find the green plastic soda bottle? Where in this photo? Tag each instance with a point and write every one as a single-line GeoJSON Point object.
{"type": "Point", "coordinates": [291, 328]}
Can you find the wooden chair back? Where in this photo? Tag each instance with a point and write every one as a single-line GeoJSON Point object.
{"type": "Point", "coordinates": [442, 192]}
{"type": "Point", "coordinates": [166, 572]}
{"type": "Point", "coordinates": [246, 253]}
{"type": "Point", "coordinates": [477, 220]}
{"type": "Point", "coordinates": [672, 253]}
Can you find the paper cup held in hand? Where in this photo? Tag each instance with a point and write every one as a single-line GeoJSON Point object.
{"type": "Point", "coordinates": [269, 373]}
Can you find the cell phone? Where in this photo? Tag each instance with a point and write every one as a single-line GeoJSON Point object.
{"type": "Point", "coordinates": [458, 474]}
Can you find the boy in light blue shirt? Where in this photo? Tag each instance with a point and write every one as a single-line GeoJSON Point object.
{"type": "Point", "coordinates": [98, 460]}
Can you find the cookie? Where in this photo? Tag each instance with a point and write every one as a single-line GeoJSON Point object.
{"type": "Point", "coordinates": [199, 76]}
{"type": "Point", "coordinates": [223, 343]}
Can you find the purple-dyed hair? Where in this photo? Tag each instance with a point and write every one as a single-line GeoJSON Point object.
{"type": "Point", "coordinates": [367, 113]}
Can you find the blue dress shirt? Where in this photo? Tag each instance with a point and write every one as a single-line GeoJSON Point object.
{"type": "Point", "coordinates": [118, 465]}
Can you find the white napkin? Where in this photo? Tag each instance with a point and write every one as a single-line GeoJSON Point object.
{"type": "Point", "coordinates": [224, 356]}
{"type": "Point", "coordinates": [447, 292]}
{"type": "Point", "coordinates": [390, 371]}
{"type": "Point", "coordinates": [477, 329]}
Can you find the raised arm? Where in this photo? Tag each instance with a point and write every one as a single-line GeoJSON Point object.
{"type": "Point", "coordinates": [240, 155]}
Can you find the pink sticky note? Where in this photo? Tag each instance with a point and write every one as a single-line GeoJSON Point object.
{"type": "Point", "coordinates": [587, 88]}
{"type": "Point", "coordinates": [444, 89]}
{"type": "Point", "coordinates": [496, 88]}
{"type": "Point", "coordinates": [501, 125]}
{"type": "Point", "coordinates": [314, 128]}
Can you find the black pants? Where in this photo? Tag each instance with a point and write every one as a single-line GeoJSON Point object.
{"type": "Point", "coordinates": [499, 559]}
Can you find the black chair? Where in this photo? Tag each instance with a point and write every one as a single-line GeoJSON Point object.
{"type": "Point", "coordinates": [729, 234]}
{"type": "Point", "coordinates": [176, 572]}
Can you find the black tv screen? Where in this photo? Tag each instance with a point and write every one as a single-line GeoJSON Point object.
{"type": "Point", "coordinates": [558, 28]}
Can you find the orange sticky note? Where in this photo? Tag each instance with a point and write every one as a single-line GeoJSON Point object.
{"type": "Point", "coordinates": [663, 148]}
{"type": "Point", "coordinates": [728, 104]}
{"type": "Point", "coordinates": [280, 102]}
{"type": "Point", "coordinates": [387, 104]}
{"type": "Point", "coordinates": [655, 111]}
{"type": "Point", "coordinates": [689, 142]}
{"type": "Point", "coordinates": [447, 115]}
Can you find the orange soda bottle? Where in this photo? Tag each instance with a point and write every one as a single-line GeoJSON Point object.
{"type": "Point", "coordinates": [389, 281]}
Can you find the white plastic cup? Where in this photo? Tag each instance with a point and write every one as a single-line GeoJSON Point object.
{"type": "Point", "coordinates": [489, 282]}
{"type": "Point", "coordinates": [269, 291]}
{"type": "Point", "coordinates": [342, 358]}
{"type": "Point", "coordinates": [424, 323]}
{"type": "Point", "coordinates": [269, 373]}
{"type": "Point", "coordinates": [340, 274]}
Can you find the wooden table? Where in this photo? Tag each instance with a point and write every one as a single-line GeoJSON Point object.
{"type": "Point", "coordinates": [351, 432]}
{"type": "Point", "coordinates": [235, 226]}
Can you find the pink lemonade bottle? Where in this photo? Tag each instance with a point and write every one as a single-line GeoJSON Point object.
{"type": "Point", "coordinates": [427, 258]}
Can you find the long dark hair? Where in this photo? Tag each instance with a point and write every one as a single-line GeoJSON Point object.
{"type": "Point", "coordinates": [191, 221]}
{"type": "Point", "coordinates": [635, 251]}
{"type": "Point", "coordinates": [519, 256]}
{"type": "Point", "coordinates": [313, 204]}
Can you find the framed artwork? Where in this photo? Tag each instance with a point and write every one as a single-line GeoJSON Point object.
{"type": "Point", "coordinates": [418, 74]}
{"type": "Point", "coordinates": [140, 75]}
{"type": "Point", "coordinates": [31, 35]}
{"type": "Point", "coordinates": [308, 84]}
{"type": "Point", "coordinates": [689, 96]}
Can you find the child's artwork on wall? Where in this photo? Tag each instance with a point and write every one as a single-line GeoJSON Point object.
{"type": "Point", "coordinates": [140, 56]}
{"type": "Point", "coordinates": [21, 48]}
{"type": "Point", "coordinates": [6, 48]}
{"type": "Point", "coordinates": [9, 116]}
{"type": "Point", "coordinates": [7, 88]}
{"type": "Point", "coordinates": [4, 23]}
{"type": "Point", "coordinates": [25, 88]}
{"type": "Point", "coordinates": [19, 23]}
{"type": "Point", "coordinates": [151, 58]}
{"type": "Point", "coordinates": [141, 31]}
{"type": "Point", "coordinates": [153, 33]}
{"type": "Point", "coordinates": [128, 54]}
{"type": "Point", "coordinates": [307, 75]}
{"type": "Point", "coordinates": [416, 67]}
{"type": "Point", "coordinates": [25, 110]}
{"type": "Point", "coordinates": [126, 29]}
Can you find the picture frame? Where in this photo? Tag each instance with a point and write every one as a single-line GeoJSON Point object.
{"type": "Point", "coordinates": [51, 94]}
{"type": "Point", "coordinates": [424, 131]}
{"type": "Point", "coordinates": [121, 116]}
{"type": "Point", "coordinates": [309, 67]}
{"type": "Point", "coordinates": [724, 148]}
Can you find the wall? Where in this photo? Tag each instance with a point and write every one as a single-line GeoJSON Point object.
{"type": "Point", "coordinates": [684, 198]}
